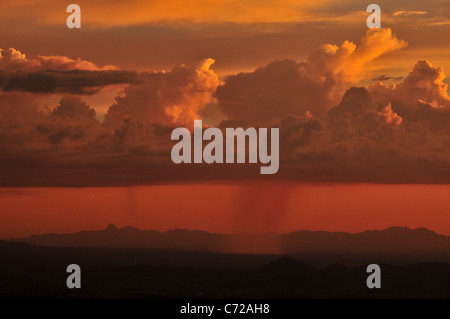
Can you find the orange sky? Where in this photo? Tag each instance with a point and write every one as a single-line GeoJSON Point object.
{"type": "Point", "coordinates": [240, 36]}
{"type": "Point", "coordinates": [225, 208]}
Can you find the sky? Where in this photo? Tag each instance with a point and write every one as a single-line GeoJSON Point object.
{"type": "Point", "coordinates": [94, 107]}
{"type": "Point", "coordinates": [225, 208]}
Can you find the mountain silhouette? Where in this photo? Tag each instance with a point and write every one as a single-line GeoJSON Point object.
{"type": "Point", "coordinates": [389, 241]}
{"type": "Point", "coordinates": [129, 237]}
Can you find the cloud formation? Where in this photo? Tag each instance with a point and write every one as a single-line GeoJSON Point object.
{"type": "Point", "coordinates": [14, 60]}
{"type": "Point", "coordinates": [56, 74]}
{"type": "Point", "coordinates": [286, 86]}
{"type": "Point", "coordinates": [112, 13]}
{"type": "Point", "coordinates": [174, 97]}
{"type": "Point", "coordinates": [408, 13]}
{"type": "Point", "coordinates": [332, 129]}
{"type": "Point", "coordinates": [421, 97]}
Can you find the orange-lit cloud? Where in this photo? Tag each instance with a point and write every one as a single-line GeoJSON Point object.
{"type": "Point", "coordinates": [113, 13]}
{"type": "Point", "coordinates": [14, 60]}
{"type": "Point", "coordinates": [239, 38]}
{"type": "Point", "coordinates": [56, 74]}
{"type": "Point", "coordinates": [330, 130]}
{"type": "Point", "coordinates": [389, 116]}
{"type": "Point", "coordinates": [174, 97]}
{"type": "Point", "coordinates": [424, 83]}
{"type": "Point", "coordinates": [134, 12]}
{"type": "Point", "coordinates": [285, 87]}
{"type": "Point", "coordinates": [408, 13]}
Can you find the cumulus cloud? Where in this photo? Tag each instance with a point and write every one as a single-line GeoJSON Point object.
{"type": "Point", "coordinates": [56, 74]}
{"type": "Point", "coordinates": [356, 101]}
{"type": "Point", "coordinates": [18, 114]}
{"type": "Point", "coordinates": [274, 91]}
{"type": "Point", "coordinates": [421, 96]}
{"type": "Point", "coordinates": [424, 82]}
{"type": "Point", "coordinates": [297, 131]}
{"type": "Point", "coordinates": [380, 133]}
{"type": "Point", "coordinates": [14, 60]}
{"type": "Point", "coordinates": [72, 107]}
{"type": "Point", "coordinates": [386, 134]}
{"type": "Point", "coordinates": [27, 126]}
{"type": "Point", "coordinates": [347, 63]}
{"type": "Point", "coordinates": [174, 97]}
{"type": "Point", "coordinates": [140, 122]}
{"type": "Point", "coordinates": [389, 116]}
{"type": "Point", "coordinates": [289, 87]}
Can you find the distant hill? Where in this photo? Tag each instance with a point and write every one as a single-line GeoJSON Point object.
{"type": "Point", "coordinates": [389, 241]}
{"type": "Point", "coordinates": [41, 273]}
{"type": "Point", "coordinates": [130, 237]}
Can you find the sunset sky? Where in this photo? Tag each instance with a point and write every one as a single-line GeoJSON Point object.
{"type": "Point", "coordinates": [86, 114]}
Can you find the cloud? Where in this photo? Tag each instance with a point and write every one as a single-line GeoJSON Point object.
{"type": "Point", "coordinates": [56, 74]}
{"type": "Point", "coordinates": [174, 97]}
{"type": "Point", "coordinates": [72, 107]}
{"type": "Point", "coordinates": [389, 116]}
{"type": "Point", "coordinates": [395, 133]}
{"type": "Point", "coordinates": [297, 131]}
{"type": "Point", "coordinates": [408, 13]}
{"type": "Point", "coordinates": [356, 101]}
{"type": "Point", "coordinates": [140, 122]}
{"type": "Point", "coordinates": [348, 61]}
{"type": "Point", "coordinates": [14, 60]}
{"type": "Point", "coordinates": [102, 13]}
{"type": "Point", "coordinates": [26, 126]}
{"type": "Point", "coordinates": [288, 87]}
{"type": "Point", "coordinates": [421, 96]}
{"type": "Point", "coordinates": [113, 13]}
{"type": "Point", "coordinates": [364, 142]}
{"type": "Point", "coordinates": [385, 78]}
{"type": "Point", "coordinates": [18, 114]}
{"type": "Point", "coordinates": [388, 134]}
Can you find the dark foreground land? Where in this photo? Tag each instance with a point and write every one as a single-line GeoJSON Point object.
{"type": "Point", "coordinates": [28, 271]}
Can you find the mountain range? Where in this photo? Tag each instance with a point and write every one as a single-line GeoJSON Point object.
{"type": "Point", "coordinates": [388, 241]}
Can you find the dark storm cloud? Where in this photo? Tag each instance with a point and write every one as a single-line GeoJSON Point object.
{"type": "Point", "coordinates": [63, 81]}
{"type": "Point", "coordinates": [383, 77]}
{"type": "Point", "coordinates": [56, 74]}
